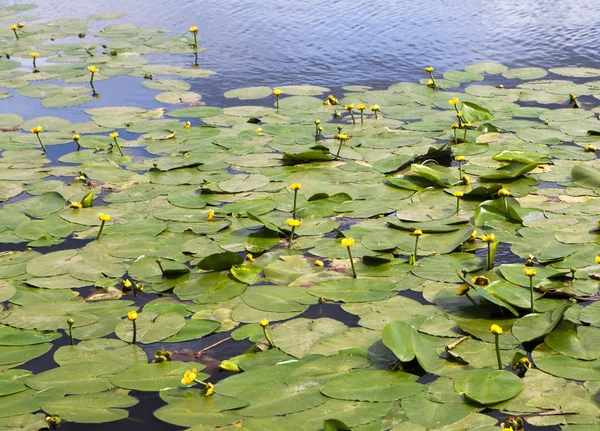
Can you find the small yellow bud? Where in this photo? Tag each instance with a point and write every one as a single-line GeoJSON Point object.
{"type": "Point", "coordinates": [375, 108]}
{"type": "Point", "coordinates": [597, 260]}
{"type": "Point", "coordinates": [466, 180]}
{"type": "Point", "coordinates": [417, 232]}
{"type": "Point", "coordinates": [187, 125]}
{"type": "Point", "coordinates": [347, 242]}
{"type": "Point", "coordinates": [264, 323]}
{"type": "Point", "coordinates": [429, 69]}
{"type": "Point", "coordinates": [209, 389]}
{"type": "Point", "coordinates": [210, 215]}
{"type": "Point", "coordinates": [463, 289]}
{"type": "Point", "coordinates": [458, 194]}
{"type": "Point", "coordinates": [277, 92]}
{"type": "Point", "coordinates": [459, 158]}
{"type": "Point", "coordinates": [76, 205]}
{"type": "Point", "coordinates": [127, 284]}
{"type": "Point", "coordinates": [504, 193]}
{"type": "Point", "coordinates": [34, 55]}
{"type": "Point", "coordinates": [293, 223]}
{"type": "Point", "coordinates": [250, 257]}
{"type": "Point", "coordinates": [194, 29]}
{"type": "Point", "coordinates": [70, 321]}
{"type": "Point", "coordinates": [317, 121]}
{"type": "Point", "coordinates": [76, 138]}
{"type": "Point", "coordinates": [132, 315]}
{"type": "Point", "coordinates": [349, 107]}
{"type": "Point", "coordinates": [13, 27]}
{"type": "Point", "coordinates": [318, 263]}
{"type": "Point", "coordinates": [496, 330]}
{"type": "Point", "coordinates": [455, 125]}
{"type": "Point", "coordinates": [259, 130]}
{"type": "Point", "coordinates": [589, 148]}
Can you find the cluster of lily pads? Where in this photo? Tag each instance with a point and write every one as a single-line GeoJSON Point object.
{"type": "Point", "coordinates": [245, 218]}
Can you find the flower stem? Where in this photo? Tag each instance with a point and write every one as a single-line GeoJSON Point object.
{"type": "Point", "coordinates": [268, 337]}
{"type": "Point", "coordinates": [119, 147]}
{"type": "Point", "coordinates": [460, 172]}
{"type": "Point", "coordinates": [295, 200]}
{"type": "Point", "coordinates": [498, 351]}
{"type": "Point", "coordinates": [488, 264]}
{"type": "Point", "coordinates": [16, 35]}
{"type": "Point", "coordinates": [100, 231]}
{"type": "Point", "coordinates": [277, 101]}
{"type": "Point", "coordinates": [92, 80]}
{"type": "Point", "coordinates": [505, 204]}
{"type": "Point", "coordinates": [40, 141]}
{"type": "Point", "coordinates": [291, 237]}
{"type": "Point", "coordinates": [531, 291]}
{"type": "Point", "coordinates": [352, 262]}
{"type": "Point", "coordinates": [457, 205]}
{"type": "Point", "coordinates": [195, 41]}
{"type": "Point", "coordinates": [71, 334]}
{"type": "Point", "coordinates": [416, 247]}
{"type": "Point", "coordinates": [362, 116]}
{"type": "Point", "coordinates": [352, 115]}
{"type": "Point", "coordinates": [337, 155]}
{"type": "Point", "coordinates": [134, 332]}
{"type": "Point", "coordinates": [471, 299]}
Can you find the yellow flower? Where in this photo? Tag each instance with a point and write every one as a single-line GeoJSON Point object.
{"type": "Point", "coordinates": [13, 27]}
{"type": "Point", "coordinates": [530, 272]}
{"type": "Point", "coordinates": [209, 389]}
{"type": "Point", "coordinates": [429, 83]}
{"type": "Point", "coordinates": [127, 284]}
{"type": "Point", "coordinates": [189, 377]}
{"type": "Point", "coordinates": [597, 260]}
{"type": "Point", "coordinates": [259, 130]}
{"type": "Point", "coordinates": [93, 69]}
{"type": "Point", "coordinates": [194, 29]}
{"type": "Point", "coordinates": [37, 129]}
{"type": "Point", "coordinates": [103, 217]}
{"type": "Point", "coordinates": [453, 101]}
{"type": "Point", "coordinates": [187, 125]}
{"type": "Point", "coordinates": [342, 136]}
{"type": "Point", "coordinates": [210, 215]}
{"type": "Point", "coordinates": [114, 135]}
{"type": "Point", "coordinates": [474, 235]}
{"type": "Point", "coordinates": [264, 323]}
{"type": "Point", "coordinates": [488, 238]}
{"type": "Point", "coordinates": [589, 148]}
{"type": "Point", "coordinates": [293, 223]}
{"type": "Point", "coordinates": [429, 69]}
{"type": "Point", "coordinates": [295, 186]}
{"type": "Point", "coordinates": [349, 107]}
{"type": "Point", "coordinates": [132, 315]}
{"type": "Point", "coordinates": [34, 55]}
{"type": "Point", "coordinates": [417, 232]}
{"type": "Point", "coordinates": [347, 242]}
{"type": "Point", "coordinates": [317, 121]}
{"type": "Point", "coordinates": [463, 289]}
{"type": "Point", "coordinates": [250, 257]}
{"type": "Point", "coordinates": [374, 108]}
{"type": "Point", "coordinates": [458, 194]}
{"type": "Point", "coordinates": [76, 138]}
{"type": "Point", "coordinates": [75, 205]}
{"type": "Point", "coordinates": [20, 25]}
{"type": "Point", "coordinates": [321, 128]}
{"type": "Point", "coordinates": [332, 99]}
{"type": "Point", "coordinates": [480, 280]}
{"type": "Point", "coordinates": [459, 158]}
{"type": "Point", "coordinates": [466, 179]}
{"type": "Point", "coordinates": [454, 125]}
{"type": "Point", "coordinates": [503, 192]}
{"type": "Point", "coordinates": [361, 107]}
{"type": "Point", "coordinates": [318, 263]}
{"type": "Point", "coordinates": [496, 330]}
{"type": "Point", "coordinates": [277, 92]}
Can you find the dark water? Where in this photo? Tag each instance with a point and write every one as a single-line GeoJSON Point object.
{"type": "Point", "coordinates": [329, 43]}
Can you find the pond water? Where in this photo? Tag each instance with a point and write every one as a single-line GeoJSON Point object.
{"type": "Point", "coordinates": [332, 44]}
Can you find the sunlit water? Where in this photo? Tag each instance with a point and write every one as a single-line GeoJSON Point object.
{"type": "Point", "coordinates": [329, 43]}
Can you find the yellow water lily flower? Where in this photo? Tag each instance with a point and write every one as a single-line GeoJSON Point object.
{"type": "Point", "coordinates": [132, 315]}
{"type": "Point", "coordinates": [93, 69]}
{"type": "Point", "coordinates": [189, 377]}
{"type": "Point", "coordinates": [209, 389]}
{"type": "Point", "coordinates": [458, 194]}
{"type": "Point", "coordinates": [75, 205]}
{"type": "Point", "coordinates": [317, 121]}
{"type": "Point", "coordinates": [277, 92]}
{"type": "Point", "coordinates": [210, 215]}
{"type": "Point", "coordinates": [488, 238]}
{"type": "Point", "coordinates": [429, 69]}
{"type": "Point", "coordinates": [530, 272]}
{"type": "Point", "coordinates": [347, 242]}
{"type": "Point", "coordinates": [250, 257]}
{"type": "Point", "coordinates": [127, 284]}
{"type": "Point", "coordinates": [375, 108]}
{"type": "Point", "coordinates": [76, 138]}
{"type": "Point", "coordinates": [34, 55]}
{"type": "Point", "coordinates": [459, 158]}
{"type": "Point", "coordinates": [295, 186]}
{"type": "Point", "coordinates": [463, 289]}
{"type": "Point", "coordinates": [194, 29]}
{"type": "Point", "coordinates": [466, 180]}
{"type": "Point", "coordinates": [480, 280]}
{"type": "Point", "coordinates": [349, 107]}
{"type": "Point", "coordinates": [103, 217]}
{"type": "Point", "coordinates": [20, 25]}
{"type": "Point", "coordinates": [453, 101]}
{"type": "Point", "coordinates": [263, 323]}
{"type": "Point", "coordinates": [114, 135]}
{"type": "Point", "coordinates": [187, 125]}
{"type": "Point", "coordinates": [37, 129]}
{"type": "Point", "coordinates": [293, 223]}
{"type": "Point", "coordinates": [318, 263]}
{"type": "Point", "coordinates": [361, 107]}
{"type": "Point", "coordinates": [259, 130]}
{"type": "Point", "coordinates": [503, 192]}
{"type": "Point", "coordinates": [597, 260]}
{"type": "Point", "coordinates": [13, 27]}
{"type": "Point", "coordinates": [417, 232]}
{"type": "Point", "coordinates": [589, 148]}
{"type": "Point", "coordinates": [496, 330]}
{"type": "Point", "coordinates": [342, 136]}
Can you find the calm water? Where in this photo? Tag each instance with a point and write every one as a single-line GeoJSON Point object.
{"type": "Point", "coordinates": [330, 43]}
